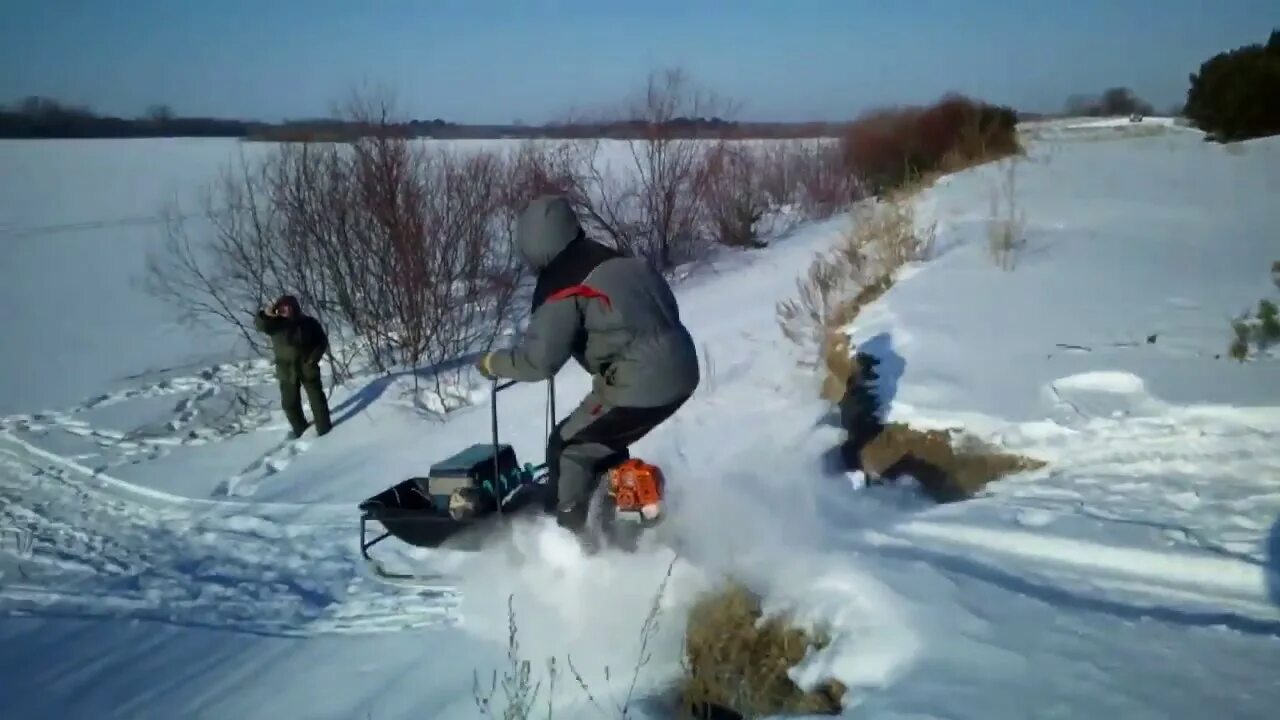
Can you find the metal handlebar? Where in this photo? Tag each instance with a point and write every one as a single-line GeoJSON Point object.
{"type": "Point", "coordinates": [493, 420]}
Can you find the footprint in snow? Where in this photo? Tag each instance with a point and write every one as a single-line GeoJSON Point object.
{"type": "Point", "coordinates": [1035, 518]}
{"type": "Point", "coordinates": [246, 483]}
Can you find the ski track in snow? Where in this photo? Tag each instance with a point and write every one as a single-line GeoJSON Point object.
{"type": "Point", "coordinates": [98, 546]}
{"type": "Point", "coordinates": [246, 482]}
{"type": "Point", "coordinates": [1123, 460]}
{"type": "Point", "coordinates": [94, 546]}
{"type": "Point", "coordinates": [154, 440]}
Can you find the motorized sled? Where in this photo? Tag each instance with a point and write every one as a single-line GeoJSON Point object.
{"type": "Point", "coordinates": [468, 496]}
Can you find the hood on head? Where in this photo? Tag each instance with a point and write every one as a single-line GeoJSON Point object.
{"type": "Point", "coordinates": [290, 302]}
{"type": "Point", "coordinates": [545, 228]}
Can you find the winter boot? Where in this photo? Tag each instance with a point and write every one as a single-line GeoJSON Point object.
{"type": "Point", "coordinates": [296, 432]}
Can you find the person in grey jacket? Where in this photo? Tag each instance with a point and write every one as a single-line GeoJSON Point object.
{"type": "Point", "coordinates": [617, 317]}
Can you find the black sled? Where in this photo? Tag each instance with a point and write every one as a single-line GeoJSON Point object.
{"type": "Point", "coordinates": [468, 498]}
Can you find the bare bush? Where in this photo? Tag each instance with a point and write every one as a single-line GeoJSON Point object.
{"type": "Point", "coordinates": [824, 184]}
{"type": "Point", "coordinates": [735, 197]}
{"type": "Point", "coordinates": [890, 148]}
{"type": "Point", "coordinates": [754, 188]}
{"type": "Point", "coordinates": [653, 206]}
{"type": "Point", "coordinates": [401, 249]}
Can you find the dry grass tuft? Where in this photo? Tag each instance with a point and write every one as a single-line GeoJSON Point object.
{"type": "Point", "coordinates": [737, 662]}
{"type": "Point", "coordinates": [1007, 227]}
{"type": "Point", "coordinates": [946, 472]}
{"type": "Point", "coordinates": [887, 230]}
{"type": "Point", "coordinates": [861, 268]}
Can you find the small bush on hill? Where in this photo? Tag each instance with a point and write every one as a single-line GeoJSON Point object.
{"type": "Point", "coordinates": [892, 147]}
{"type": "Point", "coordinates": [1235, 95]}
{"type": "Point", "coordinates": [736, 662]}
{"type": "Point", "coordinates": [1259, 332]}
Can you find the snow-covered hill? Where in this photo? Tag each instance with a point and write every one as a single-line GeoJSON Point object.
{"type": "Point", "coordinates": [170, 565]}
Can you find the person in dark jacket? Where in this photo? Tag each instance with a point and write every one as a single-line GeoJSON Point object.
{"type": "Point", "coordinates": [617, 317]}
{"type": "Point", "coordinates": [298, 343]}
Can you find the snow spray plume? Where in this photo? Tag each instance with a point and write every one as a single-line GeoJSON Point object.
{"type": "Point", "coordinates": [617, 617]}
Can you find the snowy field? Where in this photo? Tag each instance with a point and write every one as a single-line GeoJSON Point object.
{"type": "Point", "coordinates": [168, 564]}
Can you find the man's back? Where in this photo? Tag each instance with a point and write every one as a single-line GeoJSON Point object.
{"type": "Point", "coordinates": [634, 336]}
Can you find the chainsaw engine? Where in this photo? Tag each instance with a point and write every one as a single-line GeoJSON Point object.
{"type": "Point", "coordinates": [636, 487]}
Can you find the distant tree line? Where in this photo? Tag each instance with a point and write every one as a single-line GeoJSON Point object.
{"type": "Point", "coordinates": [1236, 93]}
{"type": "Point", "coordinates": [1113, 102]}
{"type": "Point", "coordinates": [39, 117]}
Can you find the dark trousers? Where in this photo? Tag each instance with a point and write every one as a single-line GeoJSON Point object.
{"type": "Point", "coordinates": [303, 376]}
{"type": "Point", "coordinates": [594, 437]}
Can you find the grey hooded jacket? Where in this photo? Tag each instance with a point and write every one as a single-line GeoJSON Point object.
{"type": "Point", "coordinates": [612, 313]}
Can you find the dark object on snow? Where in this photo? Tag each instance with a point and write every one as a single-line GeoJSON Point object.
{"type": "Point", "coordinates": [617, 317]}
{"type": "Point", "coordinates": [860, 410]}
{"type": "Point", "coordinates": [1151, 339]}
{"type": "Point", "coordinates": [470, 497]}
{"type": "Point", "coordinates": [298, 344]}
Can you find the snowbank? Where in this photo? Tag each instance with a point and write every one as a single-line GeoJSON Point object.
{"type": "Point", "coordinates": [177, 567]}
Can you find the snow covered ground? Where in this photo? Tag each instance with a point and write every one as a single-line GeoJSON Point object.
{"type": "Point", "coordinates": [167, 562]}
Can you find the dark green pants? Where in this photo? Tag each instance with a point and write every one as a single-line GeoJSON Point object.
{"type": "Point", "coordinates": [303, 376]}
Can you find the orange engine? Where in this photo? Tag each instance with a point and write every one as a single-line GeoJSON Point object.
{"type": "Point", "coordinates": [636, 486]}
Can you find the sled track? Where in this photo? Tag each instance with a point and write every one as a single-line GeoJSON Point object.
{"type": "Point", "coordinates": [1147, 510]}
{"type": "Point", "coordinates": [81, 544]}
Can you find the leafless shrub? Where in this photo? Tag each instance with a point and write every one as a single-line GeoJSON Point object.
{"type": "Point", "coordinates": [782, 181]}
{"type": "Point", "coordinates": [735, 196]}
{"type": "Point", "coordinates": [652, 206]}
{"type": "Point", "coordinates": [810, 174]}
{"type": "Point", "coordinates": [401, 249]}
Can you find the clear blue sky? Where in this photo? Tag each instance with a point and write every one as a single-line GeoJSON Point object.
{"type": "Point", "coordinates": [486, 61]}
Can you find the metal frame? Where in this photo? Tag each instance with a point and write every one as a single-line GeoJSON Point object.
{"type": "Point", "coordinates": [366, 516]}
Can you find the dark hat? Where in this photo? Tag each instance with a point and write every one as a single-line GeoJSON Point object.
{"type": "Point", "coordinates": [290, 301]}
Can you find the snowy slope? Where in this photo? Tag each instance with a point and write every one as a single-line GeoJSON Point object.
{"type": "Point", "coordinates": [180, 568]}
